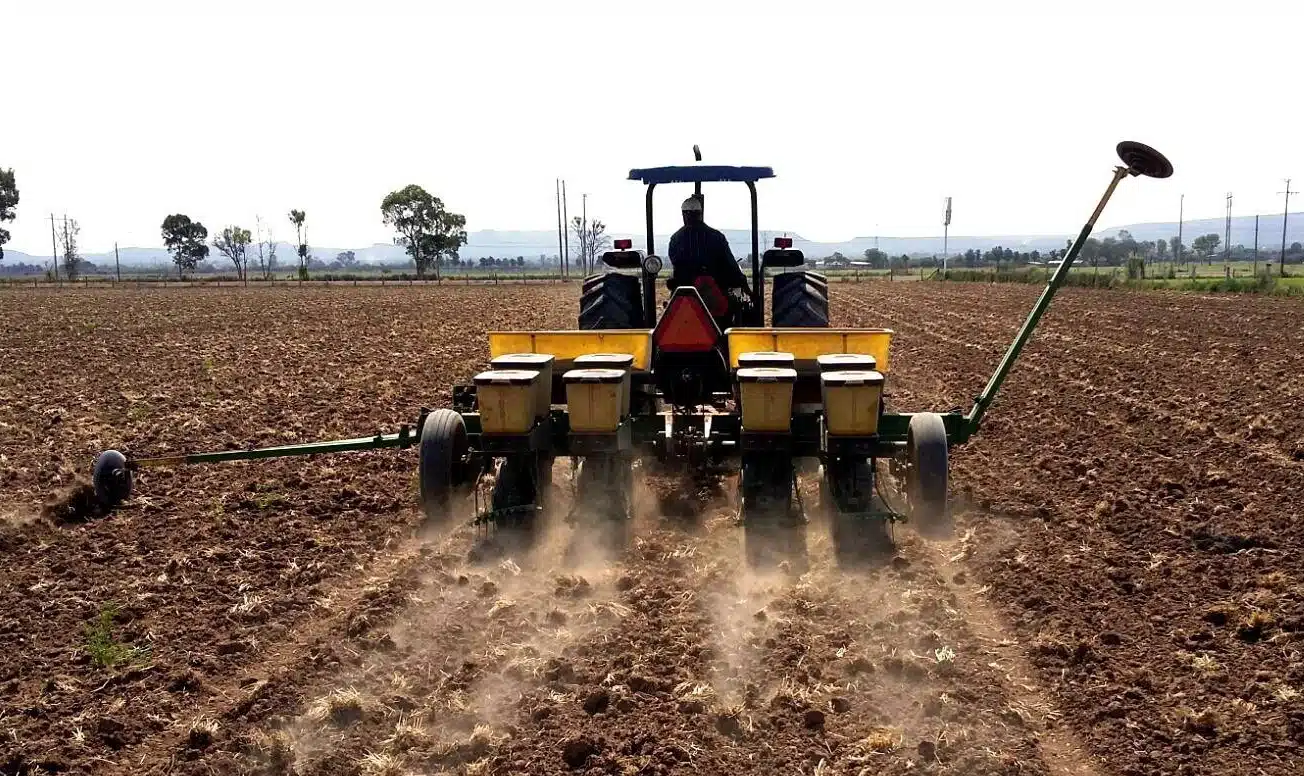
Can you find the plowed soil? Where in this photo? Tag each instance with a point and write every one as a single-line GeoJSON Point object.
{"type": "Point", "coordinates": [1124, 594]}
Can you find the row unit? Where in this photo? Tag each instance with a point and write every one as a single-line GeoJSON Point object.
{"type": "Point", "coordinates": [517, 391]}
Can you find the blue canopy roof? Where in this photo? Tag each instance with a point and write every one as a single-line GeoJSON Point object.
{"type": "Point", "coordinates": [700, 173]}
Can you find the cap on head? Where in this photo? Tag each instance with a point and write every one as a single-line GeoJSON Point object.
{"type": "Point", "coordinates": [692, 205]}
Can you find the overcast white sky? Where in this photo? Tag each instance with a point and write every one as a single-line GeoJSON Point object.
{"type": "Point", "coordinates": [121, 113]}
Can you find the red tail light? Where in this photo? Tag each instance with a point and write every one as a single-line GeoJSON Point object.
{"type": "Point", "coordinates": [624, 245]}
{"type": "Point", "coordinates": [686, 327]}
{"type": "Point", "coordinates": [782, 242]}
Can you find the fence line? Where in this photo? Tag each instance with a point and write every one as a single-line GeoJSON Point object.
{"type": "Point", "coordinates": [835, 276]}
{"type": "Point", "coordinates": [139, 283]}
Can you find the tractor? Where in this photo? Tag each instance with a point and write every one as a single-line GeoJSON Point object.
{"type": "Point", "coordinates": [638, 381]}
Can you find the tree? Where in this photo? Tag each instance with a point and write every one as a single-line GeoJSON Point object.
{"type": "Point", "coordinates": [1091, 250]}
{"type": "Point", "coordinates": [428, 230]}
{"type": "Point", "coordinates": [185, 240]}
{"type": "Point", "coordinates": [346, 259]}
{"type": "Point", "coordinates": [8, 205]}
{"type": "Point", "coordinates": [1161, 249]}
{"type": "Point", "coordinates": [233, 243]}
{"type": "Point", "coordinates": [593, 241]}
{"type": "Point", "coordinates": [266, 249]}
{"type": "Point", "coordinates": [1110, 251]}
{"type": "Point", "coordinates": [71, 258]}
{"type": "Point", "coordinates": [877, 259]}
{"type": "Point", "coordinates": [1206, 245]}
{"type": "Point", "coordinates": [1296, 247]}
{"type": "Point", "coordinates": [997, 255]}
{"type": "Point", "coordinates": [1177, 248]}
{"type": "Point", "coordinates": [298, 218]}
{"type": "Point", "coordinates": [1126, 247]}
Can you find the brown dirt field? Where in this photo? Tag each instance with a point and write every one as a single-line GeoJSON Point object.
{"type": "Point", "coordinates": [1125, 596]}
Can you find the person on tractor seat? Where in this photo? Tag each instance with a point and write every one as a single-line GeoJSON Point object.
{"type": "Point", "coordinates": [698, 251]}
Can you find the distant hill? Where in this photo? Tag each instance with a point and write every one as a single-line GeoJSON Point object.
{"type": "Point", "coordinates": [533, 244]}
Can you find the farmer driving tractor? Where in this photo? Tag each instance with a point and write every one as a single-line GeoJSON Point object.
{"type": "Point", "coordinates": [700, 257]}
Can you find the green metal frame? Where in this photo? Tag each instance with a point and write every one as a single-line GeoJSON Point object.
{"type": "Point", "coordinates": [988, 395]}
{"type": "Point", "coordinates": [404, 438]}
{"type": "Point", "coordinates": [646, 432]}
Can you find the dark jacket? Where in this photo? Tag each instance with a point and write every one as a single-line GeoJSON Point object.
{"type": "Point", "coordinates": [697, 250]}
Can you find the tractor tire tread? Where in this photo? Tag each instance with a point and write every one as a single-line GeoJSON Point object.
{"type": "Point", "coordinates": [611, 301]}
{"type": "Point", "coordinates": [926, 484]}
{"type": "Point", "coordinates": [799, 299]}
{"type": "Point", "coordinates": [443, 443]}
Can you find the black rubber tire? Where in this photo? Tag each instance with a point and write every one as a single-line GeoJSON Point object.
{"type": "Point", "coordinates": [544, 487]}
{"type": "Point", "coordinates": [819, 281]}
{"type": "Point", "coordinates": [611, 301]}
{"type": "Point", "coordinates": [517, 483]}
{"type": "Point", "coordinates": [773, 532]}
{"type": "Point", "coordinates": [857, 540]}
{"type": "Point", "coordinates": [604, 487]}
{"type": "Point", "coordinates": [441, 463]}
{"type": "Point", "coordinates": [799, 299]}
{"type": "Point", "coordinates": [111, 479]}
{"type": "Point", "coordinates": [926, 478]}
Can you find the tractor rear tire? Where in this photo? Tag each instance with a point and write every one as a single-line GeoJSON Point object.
{"type": "Point", "coordinates": [773, 531]}
{"type": "Point", "coordinates": [857, 539]}
{"type": "Point", "coordinates": [926, 479]}
{"type": "Point", "coordinates": [611, 301]}
{"type": "Point", "coordinates": [799, 299]}
{"type": "Point", "coordinates": [441, 465]}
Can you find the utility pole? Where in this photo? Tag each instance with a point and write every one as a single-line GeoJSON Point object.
{"type": "Point", "coordinates": [565, 216]}
{"type": "Point", "coordinates": [561, 227]}
{"type": "Point", "coordinates": [69, 269]}
{"type": "Point", "coordinates": [946, 228]}
{"type": "Point", "coordinates": [1285, 214]}
{"type": "Point", "coordinates": [54, 246]}
{"type": "Point", "coordinates": [117, 268]}
{"type": "Point", "coordinates": [1181, 205]}
{"type": "Point", "coordinates": [1256, 246]}
{"type": "Point", "coordinates": [1227, 237]}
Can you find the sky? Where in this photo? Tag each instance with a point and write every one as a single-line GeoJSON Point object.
{"type": "Point", "coordinates": [871, 113]}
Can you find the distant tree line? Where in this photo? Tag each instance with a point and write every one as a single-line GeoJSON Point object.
{"type": "Point", "coordinates": [430, 233]}
{"type": "Point", "coordinates": [432, 236]}
{"type": "Point", "coordinates": [8, 204]}
{"type": "Point", "coordinates": [1114, 251]}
